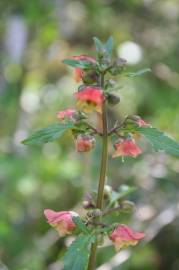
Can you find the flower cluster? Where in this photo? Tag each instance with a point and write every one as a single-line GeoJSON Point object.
{"type": "Point", "coordinates": [122, 236]}
{"type": "Point", "coordinates": [95, 95]}
{"type": "Point", "coordinates": [90, 98]}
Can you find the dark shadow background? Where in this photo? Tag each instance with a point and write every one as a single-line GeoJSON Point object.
{"type": "Point", "coordinates": [34, 37]}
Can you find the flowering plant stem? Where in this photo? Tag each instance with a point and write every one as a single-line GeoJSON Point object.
{"type": "Point", "coordinates": [104, 159]}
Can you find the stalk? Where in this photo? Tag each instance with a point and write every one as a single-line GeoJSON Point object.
{"type": "Point", "coordinates": [102, 177]}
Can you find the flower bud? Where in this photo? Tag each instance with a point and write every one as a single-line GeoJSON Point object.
{"type": "Point", "coordinates": [79, 73]}
{"type": "Point", "coordinates": [62, 221]}
{"type": "Point", "coordinates": [118, 66]}
{"type": "Point", "coordinates": [128, 206]}
{"type": "Point", "coordinates": [113, 99]}
{"type": "Point", "coordinates": [89, 77]}
{"type": "Point", "coordinates": [102, 52]}
{"type": "Point", "coordinates": [107, 190]}
{"type": "Point", "coordinates": [88, 202]}
{"type": "Point", "coordinates": [85, 143]}
{"type": "Point", "coordinates": [121, 62]}
{"type": "Point", "coordinates": [66, 114]}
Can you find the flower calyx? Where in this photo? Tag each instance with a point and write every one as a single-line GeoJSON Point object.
{"type": "Point", "coordinates": [112, 99]}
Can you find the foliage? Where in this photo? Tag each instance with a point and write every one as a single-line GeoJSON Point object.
{"type": "Point", "coordinates": [159, 140]}
{"type": "Point", "coordinates": [48, 134]}
{"type": "Point", "coordinates": [77, 255]}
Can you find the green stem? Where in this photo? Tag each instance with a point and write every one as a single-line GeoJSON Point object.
{"type": "Point", "coordinates": [99, 203]}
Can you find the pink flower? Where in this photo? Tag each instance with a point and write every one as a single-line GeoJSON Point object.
{"type": "Point", "coordinates": [126, 147]}
{"type": "Point", "coordinates": [142, 123]}
{"type": "Point", "coordinates": [90, 98]}
{"type": "Point", "coordinates": [62, 221]}
{"type": "Point", "coordinates": [123, 236]}
{"type": "Point", "coordinates": [68, 113]}
{"type": "Point", "coordinates": [84, 143]}
{"type": "Point", "coordinates": [78, 74]}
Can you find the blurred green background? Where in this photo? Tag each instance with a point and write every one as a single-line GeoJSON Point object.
{"type": "Point", "coordinates": [34, 84]}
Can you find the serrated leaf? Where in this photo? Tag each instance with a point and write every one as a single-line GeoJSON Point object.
{"type": "Point", "coordinates": [109, 45]}
{"type": "Point", "coordinates": [98, 44]}
{"type": "Point", "coordinates": [138, 73]}
{"type": "Point", "coordinates": [77, 256]}
{"type": "Point", "coordinates": [48, 134]}
{"type": "Point", "coordinates": [80, 225]}
{"type": "Point", "coordinates": [78, 63]}
{"type": "Point", "coordinates": [159, 140]}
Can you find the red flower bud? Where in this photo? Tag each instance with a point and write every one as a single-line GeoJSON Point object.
{"type": "Point", "coordinates": [123, 236]}
{"type": "Point", "coordinates": [126, 147]}
{"type": "Point", "coordinates": [85, 143]}
{"type": "Point", "coordinates": [142, 123]}
{"type": "Point", "coordinates": [68, 113]}
{"type": "Point", "coordinates": [61, 221]}
{"type": "Point", "coordinates": [78, 74]}
{"type": "Point", "coordinates": [90, 98]}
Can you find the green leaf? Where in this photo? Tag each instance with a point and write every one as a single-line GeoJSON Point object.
{"type": "Point", "coordinates": [98, 44]}
{"type": "Point", "coordinates": [109, 45]}
{"type": "Point", "coordinates": [80, 225]}
{"type": "Point", "coordinates": [77, 256]}
{"type": "Point", "coordinates": [105, 48]}
{"type": "Point", "coordinates": [123, 191]}
{"type": "Point", "coordinates": [159, 140]}
{"type": "Point", "coordinates": [78, 63]}
{"type": "Point", "coordinates": [138, 73]}
{"type": "Point", "coordinates": [48, 134]}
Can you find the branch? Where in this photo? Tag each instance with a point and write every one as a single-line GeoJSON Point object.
{"type": "Point", "coordinates": [115, 128]}
{"type": "Point", "coordinates": [94, 129]}
{"type": "Point", "coordinates": [111, 210]}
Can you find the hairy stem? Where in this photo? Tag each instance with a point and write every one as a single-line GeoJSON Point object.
{"type": "Point", "coordinates": [111, 210]}
{"type": "Point", "coordinates": [99, 203]}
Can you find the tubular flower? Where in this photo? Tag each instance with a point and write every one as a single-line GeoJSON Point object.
{"type": "Point", "coordinates": [142, 123]}
{"type": "Point", "coordinates": [61, 221]}
{"type": "Point", "coordinates": [123, 236]}
{"type": "Point", "coordinates": [68, 113]}
{"type": "Point", "coordinates": [84, 143]}
{"type": "Point", "coordinates": [126, 147]}
{"type": "Point", "coordinates": [78, 73]}
{"type": "Point", "coordinates": [90, 99]}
